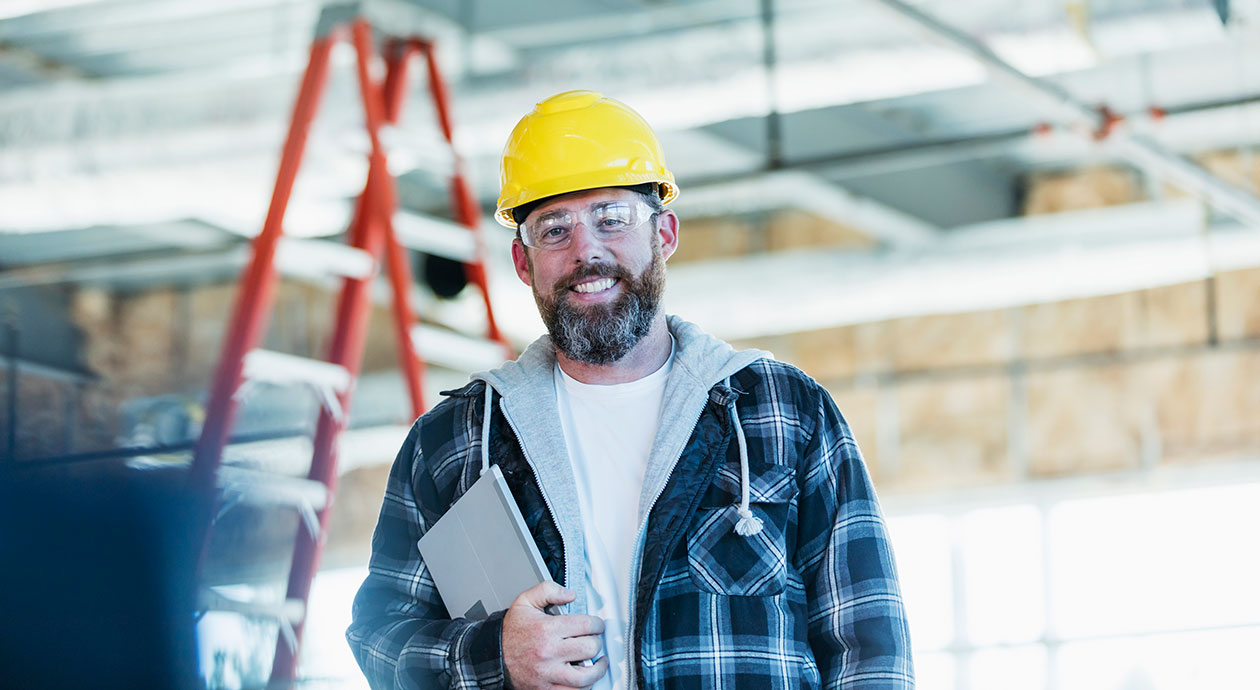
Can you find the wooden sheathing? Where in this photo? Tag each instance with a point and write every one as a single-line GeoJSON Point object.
{"type": "Point", "coordinates": [1096, 385]}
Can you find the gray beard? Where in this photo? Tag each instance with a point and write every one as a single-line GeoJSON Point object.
{"type": "Point", "coordinates": [603, 334]}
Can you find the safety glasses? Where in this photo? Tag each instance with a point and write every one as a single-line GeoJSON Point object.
{"type": "Point", "coordinates": [607, 221]}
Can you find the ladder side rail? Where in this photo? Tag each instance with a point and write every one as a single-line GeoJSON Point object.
{"type": "Point", "coordinates": [467, 210]}
{"type": "Point", "coordinates": [254, 299]}
{"type": "Point", "coordinates": [354, 309]}
{"type": "Point", "coordinates": [409, 360]}
{"type": "Point", "coordinates": [398, 56]}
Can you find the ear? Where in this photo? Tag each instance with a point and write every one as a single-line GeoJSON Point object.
{"type": "Point", "coordinates": [520, 261]}
{"type": "Point", "coordinates": [667, 231]}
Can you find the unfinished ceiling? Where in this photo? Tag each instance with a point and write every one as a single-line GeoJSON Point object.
{"type": "Point", "coordinates": [168, 114]}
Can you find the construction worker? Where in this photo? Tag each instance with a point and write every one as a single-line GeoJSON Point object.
{"type": "Point", "coordinates": [705, 513]}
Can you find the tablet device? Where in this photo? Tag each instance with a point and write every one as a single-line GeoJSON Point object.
{"type": "Point", "coordinates": [480, 553]}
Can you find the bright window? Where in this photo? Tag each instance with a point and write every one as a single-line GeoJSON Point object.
{"type": "Point", "coordinates": [924, 569]}
{"type": "Point", "coordinates": [1208, 659]}
{"type": "Point", "coordinates": [1167, 561]}
{"type": "Point", "coordinates": [1004, 575]}
{"type": "Point", "coordinates": [1008, 668]}
{"type": "Point", "coordinates": [1152, 591]}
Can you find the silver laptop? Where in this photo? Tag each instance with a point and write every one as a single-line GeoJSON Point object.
{"type": "Point", "coordinates": [480, 553]}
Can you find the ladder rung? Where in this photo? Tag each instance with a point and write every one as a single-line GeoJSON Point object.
{"type": "Point", "coordinates": [297, 256]}
{"type": "Point", "coordinates": [291, 611]}
{"type": "Point", "coordinates": [435, 236]}
{"type": "Point", "coordinates": [263, 488]}
{"type": "Point", "coordinates": [455, 350]}
{"type": "Point", "coordinates": [278, 367]}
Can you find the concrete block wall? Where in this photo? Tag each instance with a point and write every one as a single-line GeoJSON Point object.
{"type": "Point", "coordinates": [1113, 185]}
{"type": "Point", "coordinates": [1051, 192]}
{"type": "Point", "coordinates": [723, 238]}
{"type": "Point", "coordinates": [1104, 384]}
{"type": "Point", "coordinates": [158, 342]}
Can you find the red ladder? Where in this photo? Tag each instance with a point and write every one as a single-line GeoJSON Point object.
{"type": "Point", "coordinates": [371, 234]}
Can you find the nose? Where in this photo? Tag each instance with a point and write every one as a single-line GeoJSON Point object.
{"type": "Point", "coordinates": [585, 247]}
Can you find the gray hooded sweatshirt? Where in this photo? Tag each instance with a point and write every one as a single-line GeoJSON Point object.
{"type": "Point", "coordinates": [528, 392]}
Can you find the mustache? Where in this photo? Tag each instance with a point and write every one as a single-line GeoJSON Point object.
{"type": "Point", "coordinates": [595, 270]}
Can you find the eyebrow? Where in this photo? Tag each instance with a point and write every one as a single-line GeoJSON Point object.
{"type": "Point", "coordinates": [597, 206]}
{"type": "Point", "coordinates": [603, 205]}
{"type": "Point", "coordinates": [554, 213]}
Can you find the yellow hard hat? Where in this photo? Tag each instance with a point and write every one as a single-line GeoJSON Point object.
{"type": "Point", "coordinates": [578, 140]}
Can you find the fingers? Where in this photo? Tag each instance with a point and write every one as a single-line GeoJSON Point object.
{"type": "Point", "coordinates": [579, 648]}
{"type": "Point", "coordinates": [576, 625]}
{"type": "Point", "coordinates": [539, 650]}
{"type": "Point", "coordinates": [544, 594]}
{"type": "Point", "coordinates": [582, 676]}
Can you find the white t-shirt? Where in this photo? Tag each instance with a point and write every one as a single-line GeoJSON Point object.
{"type": "Point", "coordinates": [609, 432]}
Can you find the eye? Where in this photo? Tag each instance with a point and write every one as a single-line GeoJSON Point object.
{"type": "Point", "coordinates": [553, 235]}
{"type": "Point", "coordinates": [614, 218]}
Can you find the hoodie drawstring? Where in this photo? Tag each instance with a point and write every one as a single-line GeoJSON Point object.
{"type": "Point", "coordinates": [485, 431]}
{"type": "Point", "coordinates": [749, 524]}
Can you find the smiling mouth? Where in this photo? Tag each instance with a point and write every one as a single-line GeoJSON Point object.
{"type": "Point", "coordinates": [595, 285]}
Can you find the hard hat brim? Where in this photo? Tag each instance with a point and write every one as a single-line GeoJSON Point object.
{"type": "Point", "coordinates": [582, 183]}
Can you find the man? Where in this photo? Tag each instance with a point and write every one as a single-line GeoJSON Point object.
{"type": "Point", "coordinates": [705, 513]}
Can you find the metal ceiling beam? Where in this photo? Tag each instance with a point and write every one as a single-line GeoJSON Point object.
{"type": "Point", "coordinates": [112, 16]}
{"type": "Point", "coordinates": [638, 21]}
{"type": "Point", "coordinates": [193, 55]}
{"type": "Point", "coordinates": [37, 64]}
{"type": "Point", "coordinates": [204, 266]}
{"type": "Point", "coordinates": [801, 190]}
{"type": "Point", "coordinates": [268, 26]}
{"type": "Point", "coordinates": [1087, 120]}
{"type": "Point", "coordinates": [1227, 128]}
{"type": "Point", "coordinates": [708, 79]}
{"type": "Point", "coordinates": [21, 8]}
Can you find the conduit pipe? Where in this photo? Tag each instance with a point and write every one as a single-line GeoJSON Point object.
{"type": "Point", "coordinates": [1087, 120]}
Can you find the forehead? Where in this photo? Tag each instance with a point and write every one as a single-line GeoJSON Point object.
{"type": "Point", "coordinates": [583, 200]}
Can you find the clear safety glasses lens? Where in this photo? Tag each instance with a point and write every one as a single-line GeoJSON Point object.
{"type": "Point", "coordinates": [606, 221]}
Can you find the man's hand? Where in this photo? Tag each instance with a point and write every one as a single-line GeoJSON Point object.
{"type": "Point", "coordinates": [539, 650]}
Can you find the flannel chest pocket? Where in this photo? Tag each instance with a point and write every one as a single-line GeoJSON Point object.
{"type": "Point", "coordinates": [723, 562]}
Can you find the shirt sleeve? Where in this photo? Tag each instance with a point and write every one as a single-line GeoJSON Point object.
{"type": "Point", "coordinates": [857, 622]}
{"type": "Point", "coordinates": [400, 632]}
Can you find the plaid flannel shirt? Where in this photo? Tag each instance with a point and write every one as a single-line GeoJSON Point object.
{"type": "Point", "coordinates": [811, 601]}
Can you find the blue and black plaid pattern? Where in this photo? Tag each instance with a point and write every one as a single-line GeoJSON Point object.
{"type": "Point", "coordinates": [812, 601]}
{"type": "Point", "coordinates": [723, 562]}
{"type": "Point", "coordinates": [402, 636]}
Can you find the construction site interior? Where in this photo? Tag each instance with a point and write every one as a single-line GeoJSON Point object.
{"type": "Point", "coordinates": [245, 243]}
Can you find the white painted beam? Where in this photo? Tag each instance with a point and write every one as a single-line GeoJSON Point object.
{"type": "Point", "coordinates": [985, 266]}
{"type": "Point", "coordinates": [435, 236]}
{"type": "Point", "coordinates": [19, 8]}
{"type": "Point", "coordinates": [988, 266]}
{"type": "Point", "coordinates": [801, 190]}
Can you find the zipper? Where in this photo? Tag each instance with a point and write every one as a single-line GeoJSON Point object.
{"type": "Point", "coordinates": [564, 546]}
{"type": "Point", "coordinates": [632, 664]}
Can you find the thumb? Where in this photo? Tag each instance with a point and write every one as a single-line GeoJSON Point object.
{"type": "Point", "coordinates": [543, 594]}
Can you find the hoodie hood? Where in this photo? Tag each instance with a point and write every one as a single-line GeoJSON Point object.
{"type": "Point", "coordinates": [699, 360]}
{"type": "Point", "coordinates": [528, 401]}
